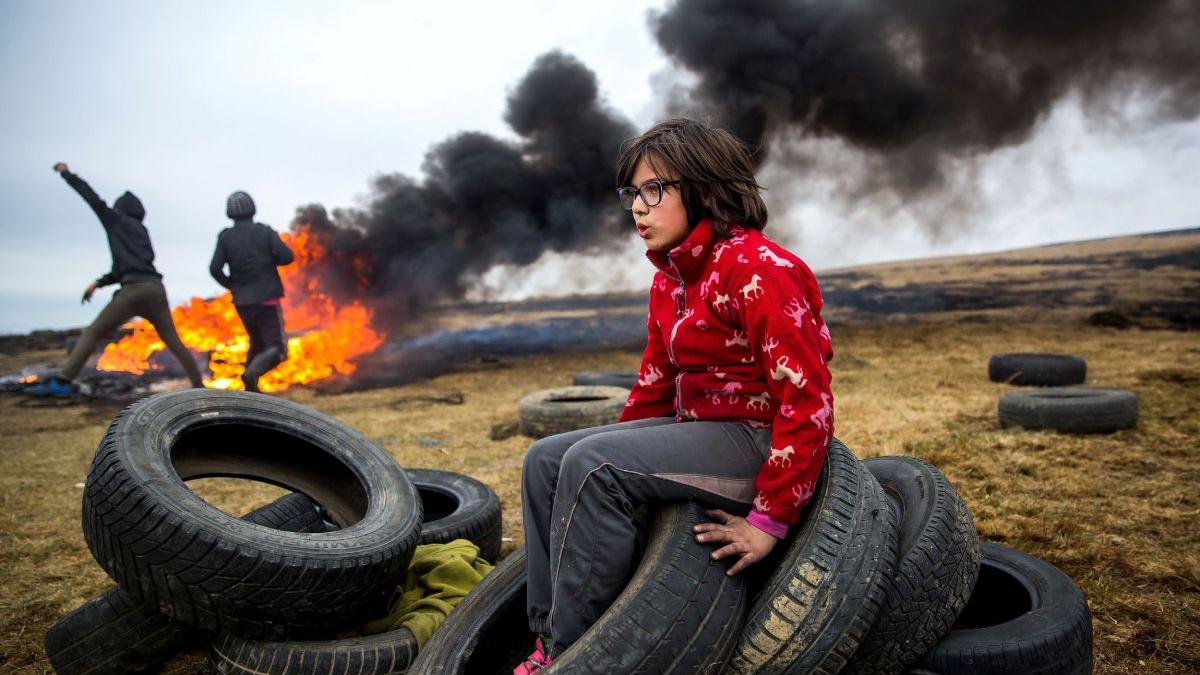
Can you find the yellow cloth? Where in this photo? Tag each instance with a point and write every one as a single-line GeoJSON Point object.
{"type": "Point", "coordinates": [439, 575]}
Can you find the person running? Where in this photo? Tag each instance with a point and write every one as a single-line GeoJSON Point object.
{"type": "Point", "coordinates": [141, 293]}
{"type": "Point", "coordinates": [732, 406]}
{"type": "Point", "coordinates": [253, 251]}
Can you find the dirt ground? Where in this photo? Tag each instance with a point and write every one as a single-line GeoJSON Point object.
{"type": "Point", "coordinates": [1117, 512]}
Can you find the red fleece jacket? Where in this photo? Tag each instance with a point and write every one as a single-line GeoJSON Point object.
{"type": "Point", "coordinates": [735, 334]}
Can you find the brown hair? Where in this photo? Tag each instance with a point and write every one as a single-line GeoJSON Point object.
{"type": "Point", "coordinates": [714, 169]}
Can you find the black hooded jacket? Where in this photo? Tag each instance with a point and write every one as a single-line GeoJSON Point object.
{"type": "Point", "coordinates": [128, 240]}
{"type": "Point", "coordinates": [252, 251]}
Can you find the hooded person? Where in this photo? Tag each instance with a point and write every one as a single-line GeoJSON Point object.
{"type": "Point", "coordinates": [141, 293]}
{"type": "Point", "coordinates": [252, 251]}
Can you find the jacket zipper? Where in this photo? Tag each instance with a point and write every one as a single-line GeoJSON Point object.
{"type": "Point", "coordinates": [680, 309]}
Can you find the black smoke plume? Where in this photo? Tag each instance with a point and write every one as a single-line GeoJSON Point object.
{"type": "Point", "coordinates": [484, 201]}
{"type": "Point", "coordinates": [921, 88]}
{"type": "Point", "coordinates": [922, 82]}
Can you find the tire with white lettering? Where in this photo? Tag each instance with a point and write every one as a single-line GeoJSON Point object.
{"type": "Point", "coordinates": [1025, 617]}
{"type": "Point", "coordinates": [679, 613]}
{"type": "Point", "coordinates": [557, 411]}
{"type": "Point", "coordinates": [1078, 410]}
{"type": "Point", "coordinates": [168, 547]}
{"type": "Point", "coordinates": [607, 378]}
{"type": "Point", "coordinates": [113, 634]}
{"type": "Point", "coordinates": [829, 580]}
{"type": "Point", "coordinates": [938, 564]}
{"type": "Point", "coordinates": [1037, 370]}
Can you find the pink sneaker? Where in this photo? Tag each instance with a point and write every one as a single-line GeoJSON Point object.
{"type": "Point", "coordinates": [535, 661]}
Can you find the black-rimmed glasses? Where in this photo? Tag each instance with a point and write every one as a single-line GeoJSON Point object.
{"type": "Point", "coordinates": [650, 191]}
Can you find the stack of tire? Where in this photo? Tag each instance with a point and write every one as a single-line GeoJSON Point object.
{"type": "Point", "coordinates": [884, 574]}
{"type": "Point", "coordinates": [265, 590]}
{"type": "Point", "coordinates": [1057, 403]}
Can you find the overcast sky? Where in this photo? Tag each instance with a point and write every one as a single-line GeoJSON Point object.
{"type": "Point", "coordinates": [299, 102]}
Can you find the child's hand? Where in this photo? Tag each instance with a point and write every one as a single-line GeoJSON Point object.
{"type": "Point", "coordinates": [739, 536]}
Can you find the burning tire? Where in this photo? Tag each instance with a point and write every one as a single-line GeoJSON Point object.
{"type": "Point", "coordinates": [679, 613]}
{"type": "Point", "coordinates": [556, 411]}
{"type": "Point", "coordinates": [1038, 370]}
{"type": "Point", "coordinates": [165, 545]}
{"type": "Point", "coordinates": [458, 507]}
{"type": "Point", "coordinates": [114, 633]}
{"type": "Point", "coordinates": [1080, 410]}
{"type": "Point", "coordinates": [938, 565]}
{"type": "Point", "coordinates": [1025, 616]}
{"type": "Point", "coordinates": [607, 378]}
{"type": "Point", "coordinates": [830, 581]}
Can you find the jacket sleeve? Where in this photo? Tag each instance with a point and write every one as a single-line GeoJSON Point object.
{"type": "Point", "coordinates": [89, 195]}
{"type": "Point", "coordinates": [217, 267]}
{"type": "Point", "coordinates": [106, 279]}
{"type": "Point", "coordinates": [281, 253]}
{"type": "Point", "coordinates": [653, 394]}
{"type": "Point", "coordinates": [791, 344]}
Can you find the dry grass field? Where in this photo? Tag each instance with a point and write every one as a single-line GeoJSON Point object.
{"type": "Point", "coordinates": [1118, 512]}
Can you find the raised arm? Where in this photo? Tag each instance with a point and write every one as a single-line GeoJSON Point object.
{"type": "Point", "coordinates": [89, 195]}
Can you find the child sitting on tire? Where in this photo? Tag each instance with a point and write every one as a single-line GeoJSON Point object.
{"type": "Point", "coordinates": [732, 405]}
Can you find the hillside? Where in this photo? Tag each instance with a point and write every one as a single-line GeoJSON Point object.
{"type": "Point", "coordinates": [1149, 279]}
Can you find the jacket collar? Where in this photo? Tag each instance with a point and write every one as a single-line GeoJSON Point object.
{"type": "Point", "coordinates": [689, 256]}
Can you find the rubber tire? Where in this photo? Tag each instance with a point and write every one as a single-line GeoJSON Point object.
{"type": "Point", "coordinates": [679, 613]}
{"type": "Point", "coordinates": [1053, 636]}
{"type": "Point", "coordinates": [1038, 370]}
{"type": "Point", "coordinates": [830, 581]}
{"type": "Point", "coordinates": [607, 378]}
{"type": "Point", "coordinates": [938, 565]}
{"type": "Point", "coordinates": [458, 507]}
{"type": "Point", "coordinates": [381, 654]}
{"type": "Point", "coordinates": [553, 411]}
{"type": "Point", "coordinates": [1080, 410]}
{"type": "Point", "coordinates": [164, 544]}
{"type": "Point", "coordinates": [113, 634]}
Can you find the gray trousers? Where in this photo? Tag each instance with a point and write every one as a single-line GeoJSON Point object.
{"type": "Point", "coordinates": [147, 299]}
{"type": "Point", "coordinates": [579, 491]}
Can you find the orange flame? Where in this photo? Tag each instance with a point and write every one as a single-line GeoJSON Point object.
{"type": "Point", "coordinates": [329, 336]}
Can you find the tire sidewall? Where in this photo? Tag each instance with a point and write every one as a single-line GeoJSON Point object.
{"type": "Point", "coordinates": [146, 436]}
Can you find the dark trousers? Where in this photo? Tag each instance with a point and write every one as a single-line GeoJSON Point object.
{"type": "Point", "coordinates": [268, 344]}
{"type": "Point", "coordinates": [147, 299]}
{"type": "Point", "coordinates": [579, 491]}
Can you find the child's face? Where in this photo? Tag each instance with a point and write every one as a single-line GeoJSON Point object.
{"type": "Point", "coordinates": [665, 225]}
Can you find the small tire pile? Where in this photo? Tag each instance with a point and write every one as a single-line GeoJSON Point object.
{"type": "Point", "coordinates": [1056, 404]}
{"type": "Point", "coordinates": [319, 560]}
{"type": "Point", "coordinates": [876, 578]}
